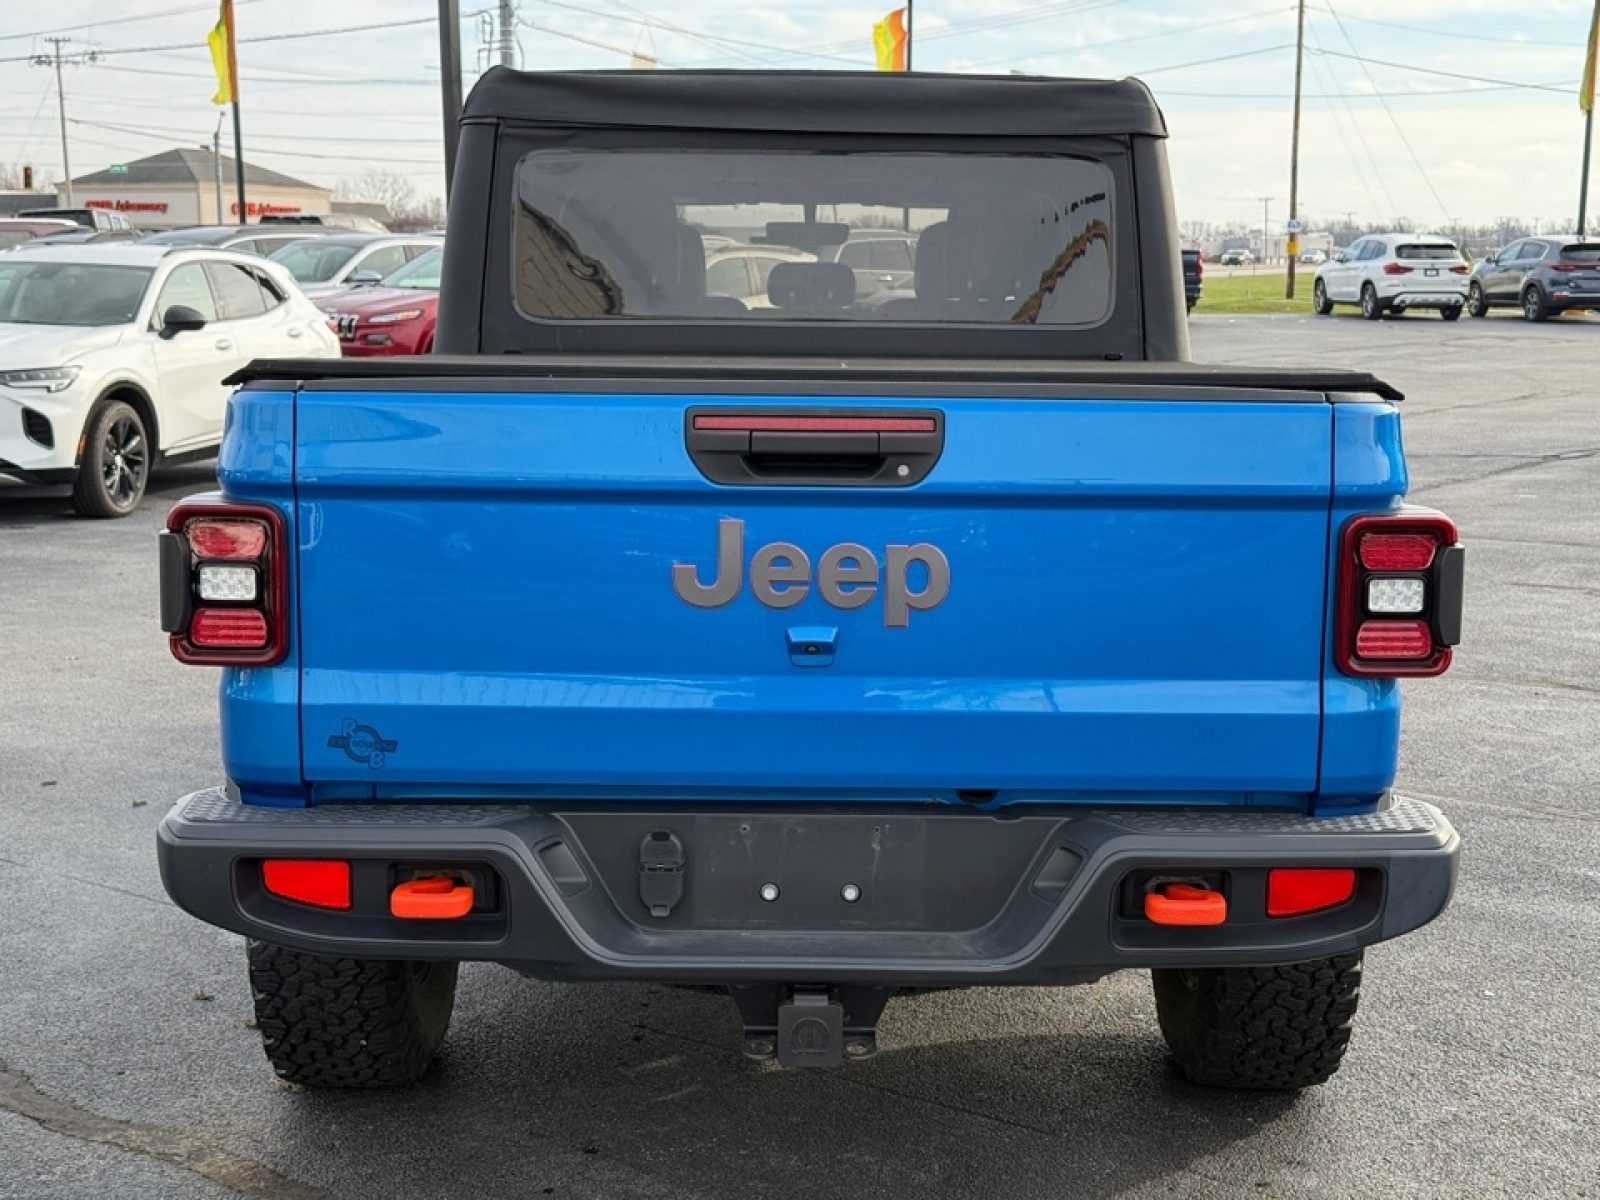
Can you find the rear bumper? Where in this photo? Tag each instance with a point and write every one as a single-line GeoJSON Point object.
{"type": "Point", "coordinates": [1443, 296]}
{"type": "Point", "coordinates": [946, 897]}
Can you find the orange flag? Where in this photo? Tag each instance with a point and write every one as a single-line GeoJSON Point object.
{"type": "Point", "coordinates": [889, 40]}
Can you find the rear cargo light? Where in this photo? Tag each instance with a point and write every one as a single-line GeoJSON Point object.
{"type": "Point", "coordinates": [1291, 893]}
{"type": "Point", "coordinates": [1397, 269]}
{"type": "Point", "coordinates": [228, 629]}
{"type": "Point", "coordinates": [1399, 594]}
{"type": "Point", "coordinates": [816, 424]}
{"type": "Point", "coordinates": [224, 584]}
{"type": "Point", "coordinates": [324, 883]}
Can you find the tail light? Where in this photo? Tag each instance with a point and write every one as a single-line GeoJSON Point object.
{"type": "Point", "coordinates": [1569, 266]}
{"type": "Point", "coordinates": [1400, 578]}
{"type": "Point", "coordinates": [224, 584]}
{"type": "Point", "coordinates": [1461, 269]}
{"type": "Point", "coordinates": [1397, 269]}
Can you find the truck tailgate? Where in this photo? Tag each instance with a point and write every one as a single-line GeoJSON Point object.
{"type": "Point", "coordinates": [1134, 601]}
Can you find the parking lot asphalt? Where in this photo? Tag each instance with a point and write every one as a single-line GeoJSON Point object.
{"type": "Point", "coordinates": [128, 1067]}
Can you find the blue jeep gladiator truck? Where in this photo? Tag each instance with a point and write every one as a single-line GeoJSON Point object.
{"type": "Point", "coordinates": [694, 616]}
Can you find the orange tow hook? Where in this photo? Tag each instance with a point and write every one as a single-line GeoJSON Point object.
{"type": "Point", "coordinates": [436, 898]}
{"type": "Point", "coordinates": [1185, 904]}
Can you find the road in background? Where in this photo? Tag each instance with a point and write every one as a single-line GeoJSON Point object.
{"type": "Point", "coordinates": [128, 1067]}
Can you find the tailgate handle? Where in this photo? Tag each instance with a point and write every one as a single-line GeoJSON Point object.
{"type": "Point", "coordinates": [814, 447]}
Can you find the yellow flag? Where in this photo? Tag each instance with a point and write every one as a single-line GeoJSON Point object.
{"type": "Point", "coordinates": [1586, 88]}
{"type": "Point", "coordinates": [889, 41]}
{"type": "Point", "coordinates": [217, 39]}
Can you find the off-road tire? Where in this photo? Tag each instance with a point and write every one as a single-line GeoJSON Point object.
{"type": "Point", "coordinates": [1320, 304]}
{"type": "Point", "coordinates": [1371, 306]}
{"type": "Point", "coordinates": [1261, 1028]}
{"type": "Point", "coordinates": [1477, 302]}
{"type": "Point", "coordinates": [349, 1022]}
{"type": "Point", "coordinates": [1451, 313]}
{"type": "Point", "coordinates": [1534, 307]}
{"type": "Point", "coordinates": [114, 469]}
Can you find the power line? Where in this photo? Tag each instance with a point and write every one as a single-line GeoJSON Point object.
{"type": "Point", "coordinates": [1206, 62]}
{"type": "Point", "coordinates": [151, 16]}
{"type": "Point", "coordinates": [1377, 171]}
{"type": "Point", "coordinates": [1566, 90]}
{"type": "Point", "coordinates": [1141, 37]}
{"type": "Point", "coordinates": [1393, 120]}
{"type": "Point", "coordinates": [168, 135]}
{"type": "Point", "coordinates": [1447, 33]}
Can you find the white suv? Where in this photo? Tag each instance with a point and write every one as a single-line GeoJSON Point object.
{"type": "Point", "coordinates": [112, 359]}
{"type": "Point", "coordinates": [1391, 272]}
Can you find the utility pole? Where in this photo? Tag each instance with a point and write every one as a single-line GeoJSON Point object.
{"type": "Point", "coordinates": [1266, 228]}
{"type": "Point", "coordinates": [55, 59]}
{"type": "Point", "coordinates": [450, 83]}
{"type": "Point", "coordinates": [910, 36]}
{"type": "Point", "coordinates": [1294, 156]}
{"type": "Point", "coordinates": [508, 33]}
{"type": "Point", "coordinates": [216, 162]}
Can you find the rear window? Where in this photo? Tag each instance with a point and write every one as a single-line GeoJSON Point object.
{"type": "Point", "coordinates": [991, 239]}
{"type": "Point", "coordinates": [1582, 254]}
{"type": "Point", "coordinates": [1432, 252]}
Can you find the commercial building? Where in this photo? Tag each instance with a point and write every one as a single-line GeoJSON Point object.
{"type": "Point", "coordinates": [177, 188]}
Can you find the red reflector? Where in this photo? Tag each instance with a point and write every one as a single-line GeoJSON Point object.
{"type": "Point", "coordinates": [1397, 551]}
{"type": "Point", "coordinates": [1292, 892]}
{"type": "Point", "coordinates": [210, 537]}
{"type": "Point", "coordinates": [1394, 639]}
{"type": "Point", "coordinates": [323, 882]}
{"type": "Point", "coordinates": [818, 424]}
{"type": "Point", "coordinates": [228, 628]}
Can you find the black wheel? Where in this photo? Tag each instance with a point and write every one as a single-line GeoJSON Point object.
{"type": "Point", "coordinates": [1477, 302]}
{"type": "Point", "coordinates": [1263, 1028]}
{"type": "Point", "coordinates": [349, 1022]}
{"type": "Point", "coordinates": [1452, 313]}
{"type": "Point", "coordinates": [115, 466]}
{"type": "Point", "coordinates": [1320, 304]}
{"type": "Point", "coordinates": [1533, 306]}
{"type": "Point", "coordinates": [1371, 306]}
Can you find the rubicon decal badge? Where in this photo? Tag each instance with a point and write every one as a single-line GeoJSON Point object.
{"type": "Point", "coordinates": [847, 576]}
{"type": "Point", "coordinates": [362, 744]}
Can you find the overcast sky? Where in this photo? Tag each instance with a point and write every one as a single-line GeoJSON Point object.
{"type": "Point", "coordinates": [1432, 109]}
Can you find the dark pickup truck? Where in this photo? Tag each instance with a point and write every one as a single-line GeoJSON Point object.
{"type": "Point", "coordinates": [819, 648]}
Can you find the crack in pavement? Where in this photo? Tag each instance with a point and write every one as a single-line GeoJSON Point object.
{"type": "Point", "coordinates": [243, 1176]}
{"type": "Point", "coordinates": [1540, 460]}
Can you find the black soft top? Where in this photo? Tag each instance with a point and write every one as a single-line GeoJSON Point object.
{"type": "Point", "coordinates": [819, 102]}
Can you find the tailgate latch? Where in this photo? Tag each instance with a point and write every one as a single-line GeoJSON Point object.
{"type": "Point", "coordinates": [661, 864]}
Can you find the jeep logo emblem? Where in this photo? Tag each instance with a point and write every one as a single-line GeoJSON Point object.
{"type": "Point", "coordinates": [847, 576]}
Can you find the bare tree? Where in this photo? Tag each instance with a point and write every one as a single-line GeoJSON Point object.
{"type": "Point", "coordinates": [394, 192]}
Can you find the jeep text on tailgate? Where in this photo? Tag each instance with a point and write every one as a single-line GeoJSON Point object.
{"type": "Point", "coordinates": [704, 613]}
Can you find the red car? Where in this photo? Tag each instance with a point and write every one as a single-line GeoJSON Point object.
{"type": "Point", "coordinates": [395, 316]}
